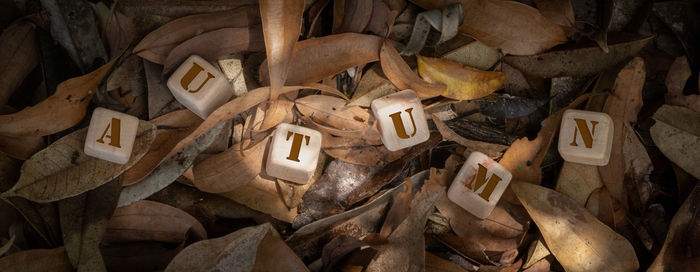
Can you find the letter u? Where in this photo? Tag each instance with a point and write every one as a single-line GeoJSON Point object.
{"type": "Point", "coordinates": [398, 124]}
{"type": "Point", "coordinates": [191, 75]}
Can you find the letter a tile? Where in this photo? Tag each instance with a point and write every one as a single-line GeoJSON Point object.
{"type": "Point", "coordinates": [111, 135]}
{"type": "Point", "coordinates": [199, 86]}
{"type": "Point", "coordinates": [585, 137]}
{"type": "Point", "coordinates": [293, 153]}
{"type": "Point", "coordinates": [479, 185]}
{"type": "Point", "coordinates": [401, 120]}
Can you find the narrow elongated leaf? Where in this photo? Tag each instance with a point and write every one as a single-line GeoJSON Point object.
{"type": "Point", "coordinates": [462, 82]}
{"type": "Point", "coordinates": [398, 72]}
{"type": "Point", "coordinates": [521, 29]}
{"type": "Point", "coordinates": [18, 57]}
{"type": "Point", "coordinates": [677, 134]}
{"type": "Point", "coordinates": [232, 168]}
{"type": "Point", "coordinates": [63, 170]}
{"type": "Point", "coordinates": [71, 98]}
{"type": "Point", "coordinates": [576, 238]}
{"type": "Point", "coordinates": [677, 76]}
{"type": "Point", "coordinates": [319, 58]}
{"type": "Point", "coordinates": [281, 22]}
{"type": "Point", "coordinates": [157, 44]}
{"type": "Point", "coordinates": [334, 112]}
{"type": "Point", "coordinates": [216, 44]}
{"type": "Point", "coordinates": [578, 62]}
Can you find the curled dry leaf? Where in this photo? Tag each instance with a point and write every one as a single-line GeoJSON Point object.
{"type": "Point", "coordinates": [172, 127]}
{"type": "Point", "coordinates": [281, 22]}
{"type": "Point", "coordinates": [490, 149]}
{"type": "Point", "coordinates": [214, 45]}
{"type": "Point", "coordinates": [463, 83]}
{"type": "Point", "coordinates": [355, 16]}
{"type": "Point", "coordinates": [63, 170]}
{"type": "Point", "coordinates": [72, 98]}
{"type": "Point", "coordinates": [521, 29]}
{"type": "Point", "coordinates": [677, 134]}
{"type": "Point", "coordinates": [37, 260]}
{"type": "Point", "coordinates": [147, 220]}
{"type": "Point", "coordinates": [261, 194]}
{"type": "Point", "coordinates": [576, 238]}
{"type": "Point", "coordinates": [319, 58]}
{"type": "Point", "coordinates": [398, 72]}
{"type": "Point", "coordinates": [677, 76]}
{"type": "Point", "coordinates": [232, 168]}
{"type": "Point", "coordinates": [157, 44]}
{"type": "Point", "coordinates": [19, 55]}
{"type": "Point", "coordinates": [622, 106]}
{"type": "Point", "coordinates": [581, 61]}
{"type": "Point", "coordinates": [681, 240]}
{"type": "Point", "coordinates": [334, 112]}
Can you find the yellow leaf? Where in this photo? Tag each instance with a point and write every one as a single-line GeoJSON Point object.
{"type": "Point", "coordinates": [462, 82]}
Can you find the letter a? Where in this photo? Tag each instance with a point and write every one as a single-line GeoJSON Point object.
{"type": "Point", "coordinates": [191, 74]}
{"type": "Point", "coordinates": [296, 145]}
{"type": "Point", "coordinates": [479, 180]}
{"type": "Point", "coordinates": [398, 124]}
{"type": "Point", "coordinates": [586, 135]}
{"type": "Point", "coordinates": [113, 135]}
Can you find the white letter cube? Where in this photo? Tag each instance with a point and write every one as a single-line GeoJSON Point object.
{"type": "Point", "coordinates": [479, 185]}
{"type": "Point", "coordinates": [293, 153]}
{"type": "Point", "coordinates": [401, 120]}
{"type": "Point", "coordinates": [199, 86]}
{"type": "Point", "coordinates": [586, 137]}
{"type": "Point", "coordinates": [111, 135]}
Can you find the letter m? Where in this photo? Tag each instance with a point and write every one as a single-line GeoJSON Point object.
{"type": "Point", "coordinates": [480, 179]}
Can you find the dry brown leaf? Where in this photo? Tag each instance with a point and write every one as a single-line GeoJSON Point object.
{"type": "Point", "coordinates": [578, 181]}
{"type": "Point", "coordinates": [262, 195]}
{"type": "Point", "coordinates": [71, 99]}
{"type": "Point", "coordinates": [558, 11]}
{"type": "Point", "coordinates": [278, 111]}
{"type": "Point", "coordinates": [7, 246]}
{"type": "Point", "coordinates": [157, 44]}
{"type": "Point", "coordinates": [214, 45]}
{"type": "Point", "coordinates": [172, 127]}
{"type": "Point", "coordinates": [677, 76]}
{"type": "Point", "coordinates": [274, 253]}
{"type": "Point", "coordinates": [281, 21]}
{"type": "Point", "coordinates": [355, 16]}
{"type": "Point", "coordinates": [21, 147]}
{"type": "Point", "coordinates": [622, 106]}
{"type": "Point", "coordinates": [536, 252]}
{"type": "Point", "coordinates": [37, 260]}
{"type": "Point", "coordinates": [319, 58]}
{"type": "Point", "coordinates": [581, 61]}
{"type": "Point", "coordinates": [677, 253]}
{"type": "Point", "coordinates": [365, 155]}
{"type": "Point", "coordinates": [398, 72]}
{"type": "Point", "coordinates": [490, 149]}
{"type": "Point", "coordinates": [600, 205]}
{"type": "Point", "coordinates": [576, 238]}
{"type": "Point", "coordinates": [398, 211]}
{"type": "Point", "coordinates": [521, 29]}
{"type": "Point", "coordinates": [373, 84]}
{"type": "Point", "coordinates": [232, 168]}
{"type": "Point", "coordinates": [334, 112]}
{"type": "Point", "coordinates": [677, 134]}
{"type": "Point", "coordinates": [19, 54]}
{"type": "Point", "coordinates": [147, 220]}
{"type": "Point", "coordinates": [120, 32]}
{"type": "Point", "coordinates": [463, 83]}
{"type": "Point", "coordinates": [435, 263]}
{"type": "Point", "coordinates": [63, 170]}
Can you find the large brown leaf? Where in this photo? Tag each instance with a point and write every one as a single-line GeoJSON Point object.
{"type": "Point", "coordinates": [18, 57]}
{"type": "Point", "coordinates": [147, 220]}
{"type": "Point", "coordinates": [63, 170]}
{"type": "Point", "coordinates": [401, 75]}
{"type": "Point", "coordinates": [157, 44]}
{"type": "Point", "coordinates": [334, 112]}
{"type": "Point", "coordinates": [513, 27]}
{"type": "Point", "coordinates": [71, 100]}
{"type": "Point", "coordinates": [37, 260]}
{"type": "Point", "coordinates": [580, 61]}
{"type": "Point", "coordinates": [281, 22]}
{"type": "Point", "coordinates": [232, 168]}
{"type": "Point", "coordinates": [622, 106]}
{"type": "Point", "coordinates": [319, 58]}
{"type": "Point", "coordinates": [576, 238]}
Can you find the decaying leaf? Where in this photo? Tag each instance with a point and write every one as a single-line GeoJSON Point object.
{"type": "Point", "coordinates": [677, 76]}
{"type": "Point", "coordinates": [261, 194]}
{"type": "Point", "coordinates": [490, 149]}
{"type": "Point", "coordinates": [157, 44]}
{"type": "Point", "coordinates": [622, 106]}
{"type": "Point", "coordinates": [398, 72]}
{"type": "Point", "coordinates": [463, 83]}
{"type": "Point", "coordinates": [281, 22]}
{"type": "Point", "coordinates": [576, 238]}
{"type": "Point", "coordinates": [579, 62]}
{"type": "Point", "coordinates": [318, 58]}
{"type": "Point", "coordinates": [19, 55]}
{"type": "Point", "coordinates": [83, 222]}
{"type": "Point", "coordinates": [521, 29]}
{"type": "Point", "coordinates": [214, 45]}
{"type": "Point", "coordinates": [677, 134]}
{"type": "Point", "coordinates": [63, 170]}
{"type": "Point", "coordinates": [372, 85]}
{"type": "Point", "coordinates": [334, 112]}
{"type": "Point", "coordinates": [147, 220]}
{"type": "Point", "coordinates": [72, 98]}
{"type": "Point", "coordinates": [232, 168]}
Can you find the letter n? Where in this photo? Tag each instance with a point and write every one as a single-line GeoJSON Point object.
{"type": "Point", "coordinates": [586, 134]}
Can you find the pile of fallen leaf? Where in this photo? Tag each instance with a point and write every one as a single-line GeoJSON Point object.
{"type": "Point", "coordinates": [495, 76]}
